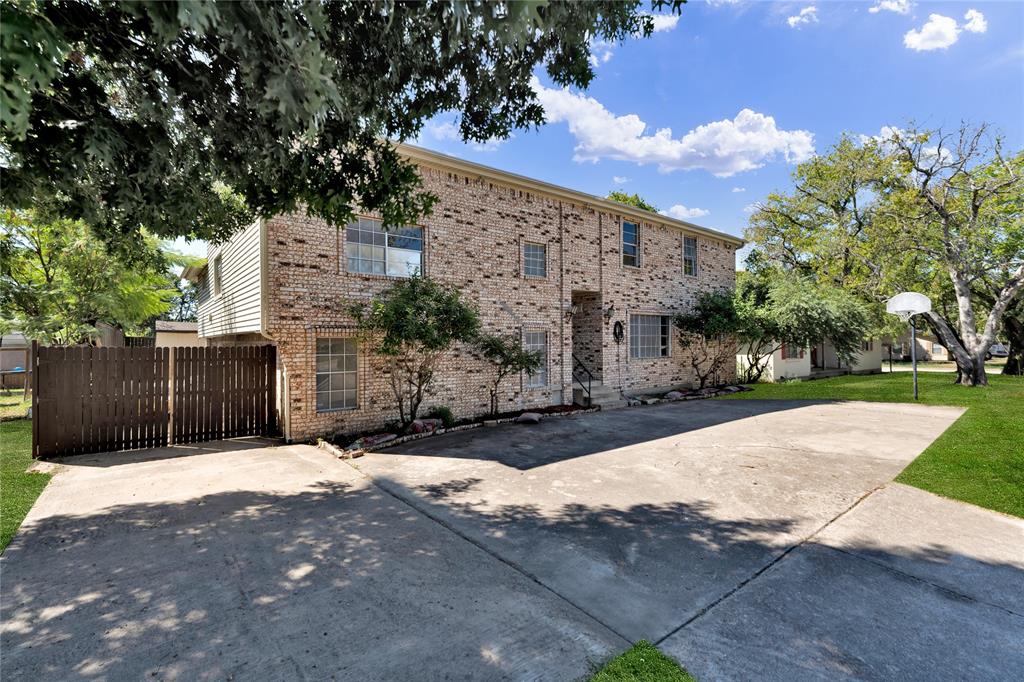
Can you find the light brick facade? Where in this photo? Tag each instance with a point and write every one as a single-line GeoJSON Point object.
{"type": "Point", "coordinates": [474, 241]}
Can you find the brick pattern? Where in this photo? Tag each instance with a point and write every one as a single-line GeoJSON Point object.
{"type": "Point", "coordinates": [474, 241]}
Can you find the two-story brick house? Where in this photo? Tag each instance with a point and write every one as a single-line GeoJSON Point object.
{"type": "Point", "coordinates": [585, 281]}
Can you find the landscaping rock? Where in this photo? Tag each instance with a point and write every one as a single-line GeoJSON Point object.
{"type": "Point", "coordinates": [529, 418]}
{"type": "Point", "coordinates": [371, 441]}
{"type": "Point", "coordinates": [426, 425]}
{"type": "Point", "coordinates": [731, 389]}
{"type": "Point", "coordinates": [673, 395]}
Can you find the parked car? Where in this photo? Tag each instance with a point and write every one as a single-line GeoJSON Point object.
{"type": "Point", "coordinates": [997, 350]}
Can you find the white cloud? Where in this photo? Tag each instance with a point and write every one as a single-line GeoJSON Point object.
{"type": "Point", "coordinates": [897, 6]}
{"type": "Point", "coordinates": [808, 15]}
{"type": "Point", "coordinates": [447, 131]}
{"type": "Point", "coordinates": [601, 52]}
{"type": "Point", "coordinates": [750, 208]}
{"type": "Point", "coordinates": [723, 147]}
{"type": "Point", "coordinates": [939, 33]}
{"type": "Point", "coordinates": [683, 213]}
{"type": "Point", "coordinates": [620, 180]}
{"type": "Point", "coordinates": [975, 21]}
{"type": "Point", "coordinates": [664, 22]}
{"type": "Point", "coordinates": [739, 189]}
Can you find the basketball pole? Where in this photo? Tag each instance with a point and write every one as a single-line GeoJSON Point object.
{"type": "Point", "coordinates": [913, 351]}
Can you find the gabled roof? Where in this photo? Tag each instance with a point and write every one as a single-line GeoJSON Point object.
{"type": "Point", "coordinates": [436, 159]}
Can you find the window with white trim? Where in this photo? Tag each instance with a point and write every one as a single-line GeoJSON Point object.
{"type": "Point", "coordinates": [336, 374]}
{"type": "Point", "coordinates": [537, 342]}
{"type": "Point", "coordinates": [791, 351]}
{"type": "Point", "coordinates": [690, 256]}
{"type": "Point", "coordinates": [649, 336]}
{"type": "Point", "coordinates": [535, 259]}
{"type": "Point", "coordinates": [630, 244]}
{"type": "Point", "coordinates": [372, 250]}
{"type": "Point", "coordinates": [867, 345]}
{"type": "Point", "coordinates": [218, 265]}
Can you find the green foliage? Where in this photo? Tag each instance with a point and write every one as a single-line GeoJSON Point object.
{"type": "Point", "coordinates": [444, 413]}
{"type": "Point", "coordinates": [978, 459]}
{"type": "Point", "coordinates": [58, 281]}
{"type": "Point", "coordinates": [508, 356]}
{"type": "Point", "coordinates": [708, 333]}
{"type": "Point", "coordinates": [642, 662]}
{"type": "Point", "coordinates": [413, 324]}
{"type": "Point", "coordinates": [929, 211]}
{"type": "Point", "coordinates": [191, 117]}
{"type": "Point", "coordinates": [776, 307]}
{"type": "Point", "coordinates": [634, 200]}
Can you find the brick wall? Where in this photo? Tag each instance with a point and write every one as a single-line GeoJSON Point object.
{"type": "Point", "coordinates": [474, 241]}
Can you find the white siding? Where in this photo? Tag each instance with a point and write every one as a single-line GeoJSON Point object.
{"type": "Point", "coordinates": [238, 308]}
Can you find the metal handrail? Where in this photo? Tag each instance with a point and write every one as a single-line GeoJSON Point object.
{"type": "Point", "coordinates": [577, 365]}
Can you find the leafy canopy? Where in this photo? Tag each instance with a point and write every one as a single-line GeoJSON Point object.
{"type": "Point", "coordinates": [634, 200]}
{"type": "Point", "coordinates": [57, 281]}
{"type": "Point", "coordinates": [190, 117]}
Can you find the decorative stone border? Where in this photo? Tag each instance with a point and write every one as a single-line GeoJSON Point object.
{"type": "Point", "coordinates": [359, 452]}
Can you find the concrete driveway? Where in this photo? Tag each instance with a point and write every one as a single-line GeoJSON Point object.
{"type": "Point", "coordinates": [746, 538]}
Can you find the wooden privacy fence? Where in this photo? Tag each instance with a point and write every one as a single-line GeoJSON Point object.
{"type": "Point", "coordinates": [87, 399]}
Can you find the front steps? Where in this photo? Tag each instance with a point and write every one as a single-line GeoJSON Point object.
{"type": "Point", "coordinates": [605, 397]}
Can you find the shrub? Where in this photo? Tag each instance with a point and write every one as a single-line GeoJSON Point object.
{"type": "Point", "coordinates": [444, 413]}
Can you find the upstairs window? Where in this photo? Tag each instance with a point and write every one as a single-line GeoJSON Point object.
{"type": "Point", "coordinates": [371, 250]}
{"type": "Point", "coordinates": [535, 260]}
{"type": "Point", "coordinates": [630, 244]}
{"type": "Point", "coordinates": [537, 342]}
{"type": "Point", "coordinates": [649, 336]}
{"type": "Point", "coordinates": [217, 267]}
{"type": "Point", "coordinates": [690, 256]}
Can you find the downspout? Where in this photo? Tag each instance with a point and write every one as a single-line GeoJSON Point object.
{"type": "Point", "coordinates": [281, 374]}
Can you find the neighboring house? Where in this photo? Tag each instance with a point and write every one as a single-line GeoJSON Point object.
{"type": "Point", "coordinates": [173, 333]}
{"type": "Point", "coordinates": [588, 283]}
{"type": "Point", "coordinates": [817, 361]}
{"type": "Point", "coordinates": [14, 356]}
{"type": "Point", "coordinates": [928, 348]}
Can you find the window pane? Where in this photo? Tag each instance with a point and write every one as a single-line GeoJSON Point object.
{"type": "Point", "coordinates": [535, 260]}
{"type": "Point", "coordinates": [649, 336]}
{"type": "Point", "coordinates": [537, 342]}
{"type": "Point", "coordinates": [336, 376]}
{"type": "Point", "coordinates": [403, 262]}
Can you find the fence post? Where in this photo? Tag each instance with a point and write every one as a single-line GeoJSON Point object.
{"type": "Point", "coordinates": [33, 376]}
{"type": "Point", "coordinates": [170, 396]}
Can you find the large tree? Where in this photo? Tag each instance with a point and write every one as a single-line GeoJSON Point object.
{"type": "Point", "coordinates": [58, 281]}
{"type": "Point", "coordinates": [927, 211]}
{"type": "Point", "coordinates": [163, 114]}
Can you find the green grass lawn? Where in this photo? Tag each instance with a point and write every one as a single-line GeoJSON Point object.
{"type": "Point", "coordinates": [12, 405]}
{"type": "Point", "coordinates": [979, 459]}
{"type": "Point", "coordinates": [18, 490]}
{"type": "Point", "coordinates": [642, 663]}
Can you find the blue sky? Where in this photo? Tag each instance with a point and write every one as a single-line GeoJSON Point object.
{"type": "Point", "coordinates": [804, 76]}
{"type": "Point", "coordinates": [747, 89]}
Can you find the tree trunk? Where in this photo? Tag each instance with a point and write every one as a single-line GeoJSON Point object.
{"type": "Point", "coordinates": [970, 366]}
{"type": "Point", "coordinates": [1014, 329]}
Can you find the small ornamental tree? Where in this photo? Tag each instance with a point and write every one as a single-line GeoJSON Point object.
{"type": "Point", "coordinates": [413, 325]}
{"type": "Point", "coordinates": [634, 200]}
{"type": "Point", "coordinates": [708, 333]}
{"type": "Point", "coordinates": [775, 308]}
{"type": "Point", "coordinates": [508, 356]}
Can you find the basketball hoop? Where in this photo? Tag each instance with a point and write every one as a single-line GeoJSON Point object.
{"type": "Point", "coordinates": [905, 306]}
{"type": "Point", "coordinates": [908, 304]}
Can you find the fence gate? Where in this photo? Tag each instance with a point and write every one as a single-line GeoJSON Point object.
{"type": "Point", "coordinates": [87, 399]}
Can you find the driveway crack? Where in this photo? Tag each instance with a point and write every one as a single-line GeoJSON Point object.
{"type": "Point", "coordinates": [754, 576]}
{"type": "Point", "coordinates": [415, 506]}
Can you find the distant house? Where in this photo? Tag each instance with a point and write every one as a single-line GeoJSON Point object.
{"type": "Point", "coordinates": [817, 361]}
{"type": "Point", "coordinates": [928, 348]}
{"type": "Point", "coordinates": [14, 350]}
{"type": "Point", "coordinates": [173, 333]}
